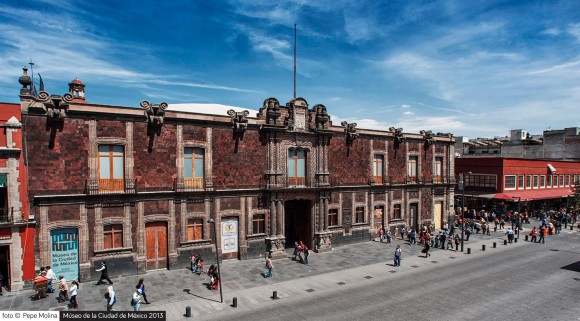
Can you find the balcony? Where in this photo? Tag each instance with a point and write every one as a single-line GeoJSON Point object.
{"type": "Point", "coordinates": [189, 184]}
{"type": "Point", "coordinates": [110, 186]}
{"type": "Point", "coordinates": [296, 181]}
{"type": "Point", "coordinates": [6, 215]}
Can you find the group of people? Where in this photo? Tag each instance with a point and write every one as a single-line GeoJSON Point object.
{"type": "Point", "coordinates": [301, 252]}
{"type": "Point", "coordinates": [43, 284]}
{"type": "Point", "coordinates": [197, 267]}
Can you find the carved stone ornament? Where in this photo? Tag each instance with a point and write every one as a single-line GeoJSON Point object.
{"type": "Point", "coordinates": [272, 106]}
{"type": "Point", "coordinates": [155, 115]}
{"type": "Point", "coordinates": [428, 137]}
{"type": "Point", "coordinates": [321, 117]}
{"type": "Point", "coordinates": [56, 108]}
{"type": "Point", "coordinates": [398, 135]}
{"type": "Point", "coordinates": [239, 120]}
{"type": "Point", "coordinates": [350, 130]}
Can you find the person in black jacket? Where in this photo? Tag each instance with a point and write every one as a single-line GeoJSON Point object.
{"type": "Point", "coordinates": [104, 273]}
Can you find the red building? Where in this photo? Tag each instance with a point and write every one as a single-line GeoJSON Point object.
{"type": "Point", "coordinates": [137, 186]}
{"type": "Point", "coordinates": [16, 226]}
{"type": "Point", "coordinates": [502, 182]}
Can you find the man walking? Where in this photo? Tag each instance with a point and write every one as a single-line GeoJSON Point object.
{"type": "Point", "coordinates": [543, 233]}
{"type": "Point", "coordinates": [104, 273]}
{"type": "Point", "coordinates": [398, 254]}
{"type": "Point", "coordinates": [269, 266]}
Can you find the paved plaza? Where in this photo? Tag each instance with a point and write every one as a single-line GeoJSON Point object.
{"type": "Point", "coordinates": [174, 290]}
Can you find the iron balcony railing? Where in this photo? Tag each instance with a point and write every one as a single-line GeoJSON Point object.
{"type": "Point", "coordinates": [7, 215]}
{"type": "Point", "coordinates": [110, 186]}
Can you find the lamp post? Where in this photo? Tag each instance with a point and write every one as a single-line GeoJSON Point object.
{"type": "Point", "coordinates": [212, 221]}
{"type": "Point", "coordinates": [463, 176]}
{"type": "Point", "coordinates": [519, 201]}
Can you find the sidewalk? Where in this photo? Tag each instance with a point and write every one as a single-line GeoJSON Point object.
{"type": "Point", "coordinates": [174, 290]}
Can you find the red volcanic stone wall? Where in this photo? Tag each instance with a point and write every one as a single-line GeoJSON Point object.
{"type": "Point", "coordinates": [111, 128]}
{"type": "Point", "coordinates": [238, 164]}
{"type": "Point", "coordinates": [378, 145]}
{"type": "Point", "coordinates": [155, 169]}
{"type": "Point", "coordinates": [63, 169]}
{"type": "Point", "coordinates": [346, 200]}
{"type": "Point", "coordinates": [91, 229]}
{"type": "Point", "coordinates": [117, 211]}
{"type": "Point", "coordinates": [194, 133]}
{"type": "Point", "coordinates": [426, 203]}
{"type": "Point", "coordinates": [195, 207]}
{"type": "Point", "coordinates": [229, 204]}
{"type": "Point", "coordinates": [397, 163]}
{"type": "Point", "coordinates": [64, 213]}
{"type": "Point", "coordinates": [379, 197]}
{"type": "Point", "coordinates": [426, 160]}
{"type": "Point", "coordinates": [349, 164]}
{"type": "Point", "coordinates": [397, 195]}
{"type": "Point", "coordinates": [155, 207]}
{"type": "Point", "coordinates": [360, 197]}
{"type": "Point", "coordinates": [439, 148]}
{"type": "Point", "coordinates": [413, 146]}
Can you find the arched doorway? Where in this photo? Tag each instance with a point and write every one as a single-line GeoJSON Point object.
{"type": "Point", "coordinates": [298, 222]}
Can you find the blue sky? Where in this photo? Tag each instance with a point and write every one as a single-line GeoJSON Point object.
{"type": "Point", "coordinates": [475, 68]}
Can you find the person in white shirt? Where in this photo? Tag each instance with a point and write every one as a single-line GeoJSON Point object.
{"type": "Point", "coordinates": [73, 294]}
{"type": "Point", "coordinates": [50, 276]}
{"type": "Point", "coordinates": [137, 297]}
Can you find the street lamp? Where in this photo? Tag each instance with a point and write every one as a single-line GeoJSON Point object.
{"type": "Point", "coordinates": [463, 176]}
{"type": "Point", "coordinates": [519, 215]}
{"type": "Point", "coordinates": [220, 284]}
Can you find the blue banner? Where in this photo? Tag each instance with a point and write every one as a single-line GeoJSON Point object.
{"type": "Point", "coordinates": [65, 253]}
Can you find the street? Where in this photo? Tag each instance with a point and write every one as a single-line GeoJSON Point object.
{"type": "Point", "coordinates": [522, 282]}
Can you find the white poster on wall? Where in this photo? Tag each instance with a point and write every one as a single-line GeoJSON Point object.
{"type": "Point", "coordinates": [230, 235]}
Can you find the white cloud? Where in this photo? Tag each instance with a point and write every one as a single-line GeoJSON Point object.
{"type": "Point", "coordinates": [408, 113]}
{"type": "Point", "coordinates": [555, 68]}
{"type": "Point", "coordinates": [405, 106]}
{"type": "Point", "coordinates": [551, 32]}
{"type": "Point", "coordinates": [574, 30]}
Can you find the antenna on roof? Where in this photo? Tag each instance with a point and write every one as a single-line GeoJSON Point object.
{"type": "Point", "coordinates": [294, 61]}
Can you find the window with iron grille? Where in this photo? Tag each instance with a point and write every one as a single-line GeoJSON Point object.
{"type": "Point", "coordinates": [112, 236]}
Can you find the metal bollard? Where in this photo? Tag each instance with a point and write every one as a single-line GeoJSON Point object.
{"type": "Point", "coordinates": [235, 302]}
{"type": "Point", "coordinates": [516, 239]}
{"type": "Point", "coordinates": [275, 295]}
{"type": "Point", "coordinates": [483, 247]}
{"type": "Point", "coordinates": [188, 312]}
{"type": "Point", "coordinates": [504, 242]}
{"type": "Point", "coordinates": [571, 228]}
{"type": "Point", "coordinates": [468, 250]}
{"type": "Point", "coordinates": [526, 238]}
{"type": "Point", "coordinates": [494, 245]}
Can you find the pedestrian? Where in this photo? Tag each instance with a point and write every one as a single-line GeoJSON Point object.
{"type": "Point", "coordinates": [403, 233]}
{"type": "Point", "coordinates": [306, 253]}
{"type": "Point", "coordinates": [449, 242]}
{"type": "Point", "coordinates": [396, 233]}
{"type": "Point", "coordinates": [50, 275]}
{"type": "Point", "coordinates": [467, 233]}
{"type": "Point", "coordinates": [301, 252]}
{"type": "Point", "coordinates": [111, 298]}
{"type": "Point", "coordinates": [533, 234]}
{"type": "Point", "coordinates": [388, 234]}
{"type": "Point", "coordinates": [398, 255]}
{"type": "Point", "coordinates": [443, 238]}
{"type": "Point", "coordinates": [73, 294]}
{"type": "Point", "coordinates": [381, 233]}
{"type": "Point", "coordinates": [457, 239]}
{"type": "Point", "coordinates": [296, 249]}
{"type": "Point", "coordinates": [510, 235]}
{"type": "Point", "coordinates": [193, 262]}
{"type": "Point", "coordinates": [136, 299]}
{"type": "Point", "coordinates": [62, 289]}
{"type": "Point", "coordinates": [104, 273]}
{"type": "Point", "coordinates": [426, 249]}
{"type": "Point", "coordinates": [269, 266]}
{"type": "Point", "coordinates": [543, 234]}
{"type": "Point", "coordinates": [141, 286]}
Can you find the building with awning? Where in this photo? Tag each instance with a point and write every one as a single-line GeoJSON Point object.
{"type": "Point", "coordinates": [500, 182]}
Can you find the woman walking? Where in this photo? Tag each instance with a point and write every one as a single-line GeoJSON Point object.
{"type": "Point", "coordinates": [63, 289]}
{"type": "Point", "coordinates": [73, 294]}
{"type": "Point", "coordinates": [141, 286]}
{"type": "Point", "coordinates": [136, 300]}
{"type": "Point", "coordinates": [111, 298]}
{"type": "Point", "coordinates": [426, 249]}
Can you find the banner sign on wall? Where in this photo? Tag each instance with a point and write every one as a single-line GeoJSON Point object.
{"type": "Point", "coordinates": [230, 235]}
{"type": "Point", "coordinates": [65, 253]}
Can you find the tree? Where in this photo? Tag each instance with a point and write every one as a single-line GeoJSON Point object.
{"type": "Point", "coordinates": [574, 199]}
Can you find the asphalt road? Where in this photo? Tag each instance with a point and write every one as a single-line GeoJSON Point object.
{"type": "Point", "coordinates": [524, 282]}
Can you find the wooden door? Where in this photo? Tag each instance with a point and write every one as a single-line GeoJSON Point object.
{"type": "Point", "coordinates": [438, 215]}
{"type": "Point", "coordinates": [156, 245]}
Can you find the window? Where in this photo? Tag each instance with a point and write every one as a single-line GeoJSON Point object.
{"type": "Point", "coordinates": [561, 180]}
{"type": "Point", "coordinates": [333, 217]}
{"type": "Point", "coordinates": [478, 180]}
{"type": "Point", "coordinates": [520, 181]}
{"type": "Point", "coordinates": [542, 181]}
{"type": "Point", "coordinates": [412, 169]}
{"type": "Point", "coordinates": [296, 167]}
{"type": "Point", "coordinates": [360, 214]}
{"type": "Point", "coordinates": [111, 168]}
{"type": "Point", "coordinates": [438, 170]}
{"type": "Point", "coordinates": [397, 211]}
{"type": "Point", "coordinates": [549, 183]}
{"type": "Point", "coordinates": [259, 223]}
{"type": "Point", "coordinates": [378, 169]}
{"type": "Point", "coordinates": [567, 180]}
{"type": "Point", "coordinates": [112, 236]}
{"type": "Point", "coordinates": [536, 181]}
{"type": "Point", "coordinates": [529, 181]}
{"type": "Point", "coordinates": [195, 229]}
{"type": "Point", "coordinates": [193, 168]}
{"type": "Point", "coordinates": [555, 181]}
{"type": "Point", "coordinates": [510, 182]}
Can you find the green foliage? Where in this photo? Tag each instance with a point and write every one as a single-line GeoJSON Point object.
{"type": "Point", "coordinates": [574, 200]}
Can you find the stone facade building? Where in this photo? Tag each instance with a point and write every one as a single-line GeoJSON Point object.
{"type": "Point", "coordinates": [136, 186]}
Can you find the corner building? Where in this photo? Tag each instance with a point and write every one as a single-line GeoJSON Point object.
{"type": "Point", "coordinates": [136, 186]}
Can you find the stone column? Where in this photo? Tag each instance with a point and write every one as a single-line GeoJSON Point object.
{"type": "Point", "coordinates": [275, 242]}
{"type": "Point", "coordinates": [272, 218]}
{"type": "Point", "coordinates": [280, 219]}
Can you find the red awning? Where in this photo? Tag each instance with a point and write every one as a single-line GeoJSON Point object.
{"type": "Point", "coordinates": [539, 194]}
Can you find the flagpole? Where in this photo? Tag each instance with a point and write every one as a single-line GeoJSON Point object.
{"type": "Point", "coordinates": [294, 61]}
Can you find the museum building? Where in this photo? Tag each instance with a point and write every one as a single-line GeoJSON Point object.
{"type": "Point", "coordinates": [145, 187]}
